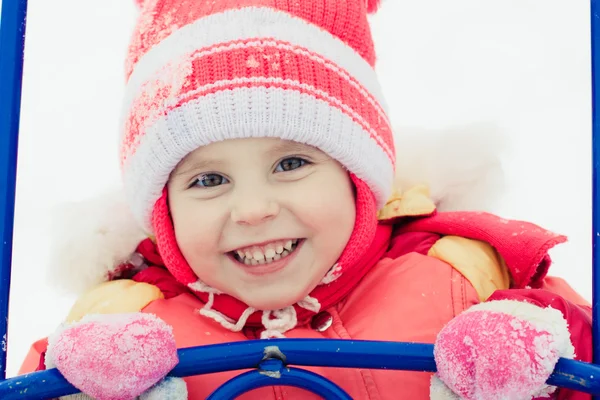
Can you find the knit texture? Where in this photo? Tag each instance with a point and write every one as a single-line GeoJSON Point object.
{"type": "Point", "coordinates": [201, 72]}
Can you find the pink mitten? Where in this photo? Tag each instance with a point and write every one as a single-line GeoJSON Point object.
{"type": "Point", "coordinates": [114, 356]}
{"type": "Point", "coordinates": [501, 349]}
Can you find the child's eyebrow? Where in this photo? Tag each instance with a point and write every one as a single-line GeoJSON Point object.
{"type": "Point", "coordinates": [290, 147]}
{"type": "Point", "coordinates": [197, 165]}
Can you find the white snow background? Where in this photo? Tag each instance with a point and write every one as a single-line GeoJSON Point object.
{"type": "Point", "coordinates": [523, 65]}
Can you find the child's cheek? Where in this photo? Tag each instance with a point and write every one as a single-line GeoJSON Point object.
{"type": "Point", "coordinates": [196, 229]}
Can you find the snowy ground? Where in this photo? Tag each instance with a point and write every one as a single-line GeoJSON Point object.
{"type": "Point", "coordinates": [520, 64]}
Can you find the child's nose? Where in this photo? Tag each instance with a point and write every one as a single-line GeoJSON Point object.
{"type": "Point", "coordinates": [253, 211]}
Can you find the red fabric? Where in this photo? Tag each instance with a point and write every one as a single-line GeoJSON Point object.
{"type": "Point", "coordinates": [42, 364]}
{"type": "Point", "coordinates": [148, 250]}
{"type": "Point", "coordinates": [35, 358]}
{"type": "Point", "coordinates": [162, 279]}
{"type": "Point", "coordinates": [579, 320]}
{"type": "Point", "coordinates": [524, 246]}
{"type": "Point", "coordinates": [404, 243]}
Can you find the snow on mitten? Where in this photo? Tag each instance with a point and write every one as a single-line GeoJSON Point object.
{"type": "Point", "coordinates": [168, 389]}
{"type": "Point", "coordinates": [501, 349]}
{"type": "Point", "coordinates": [114, 356]}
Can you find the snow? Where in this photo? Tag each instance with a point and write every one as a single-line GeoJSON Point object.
{"type": "Point", "coordinates": [520, 64]}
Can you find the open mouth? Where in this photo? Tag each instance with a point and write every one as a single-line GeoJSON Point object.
{"type": "Point", "coordinates": [258, 255]}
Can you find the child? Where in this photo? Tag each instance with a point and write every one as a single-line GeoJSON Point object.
{"type": "Point", "coordinates": [258, 155]}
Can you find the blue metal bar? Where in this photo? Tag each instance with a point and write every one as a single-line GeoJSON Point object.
{"type": "Point", "coordinates": [12, 42]}
{"type": "Point", "coordinates": [595, 44]}
{"type": "Point", "coordinates": [307, 352]}
{"type": "Point", "coordinates": [274, 373]}
{"type": "Point", "coordinates": [201, 360]}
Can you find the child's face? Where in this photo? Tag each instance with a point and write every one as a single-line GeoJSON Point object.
{"type": "Point", "coordinates": [251, 198]}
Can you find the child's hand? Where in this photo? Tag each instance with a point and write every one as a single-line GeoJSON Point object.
{"type": "Point", "coordinates": [117, 356]}
{"type": "Point", "coordinates": [499, 350]}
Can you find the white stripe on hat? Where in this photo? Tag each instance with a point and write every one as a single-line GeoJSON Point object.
{"type": "Point", "coordinates": [226, 85]}
{"type": "Point", "coordinates": [245, 113]}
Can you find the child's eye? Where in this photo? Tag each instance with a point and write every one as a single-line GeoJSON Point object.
{"type": "Point", "coordinates": [290, 164]}
{"type": "Point", "coordinates": [210, 180]}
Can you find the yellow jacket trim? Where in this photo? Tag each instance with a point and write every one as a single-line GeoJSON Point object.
{"type": "Point", "coordinates": [477, 261]}
{"type": "Point", "coordinates": [411, 203]}
{"type": "Point", "coordinates": [114, 297]}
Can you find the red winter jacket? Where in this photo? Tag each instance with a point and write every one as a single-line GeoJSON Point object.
{"type": "Point", "coordinates": [435, 268]}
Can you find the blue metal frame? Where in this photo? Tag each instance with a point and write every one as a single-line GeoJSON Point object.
{"type": "Point", "coordinates": [269, 360]}
{"type": "Point", "coordinates": [12, 41]}
{"type": "Point", "coordinates": [595, 44]}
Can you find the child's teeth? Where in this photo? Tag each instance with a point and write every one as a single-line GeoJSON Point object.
{"type": "Point", "coordinates": [258, 256]}
{"type": "Point", "coordinates": [270, 253]}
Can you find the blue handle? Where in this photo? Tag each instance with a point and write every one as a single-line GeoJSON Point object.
{"type": "Point", "coordinates": [298, 352]}
{"type": "Point", "coordinates": [595, 41]}
{"type": "Point", "coordinates": [12, 42]}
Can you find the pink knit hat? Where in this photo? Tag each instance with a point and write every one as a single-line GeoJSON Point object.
{"type": "Point", "coordinates": [201, 71]}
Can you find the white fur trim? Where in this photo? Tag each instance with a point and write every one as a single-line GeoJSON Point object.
{"type": "Point", "coordinates": [461, 166]}
{"type": "Point", "coordinates": [252, 23]}
{"type": "Point", "coordinates": [286, 114]}
{"type": "Point", "coordinates": [439, 391]}
{"type": "Point", "coordinates": [89, 239]}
